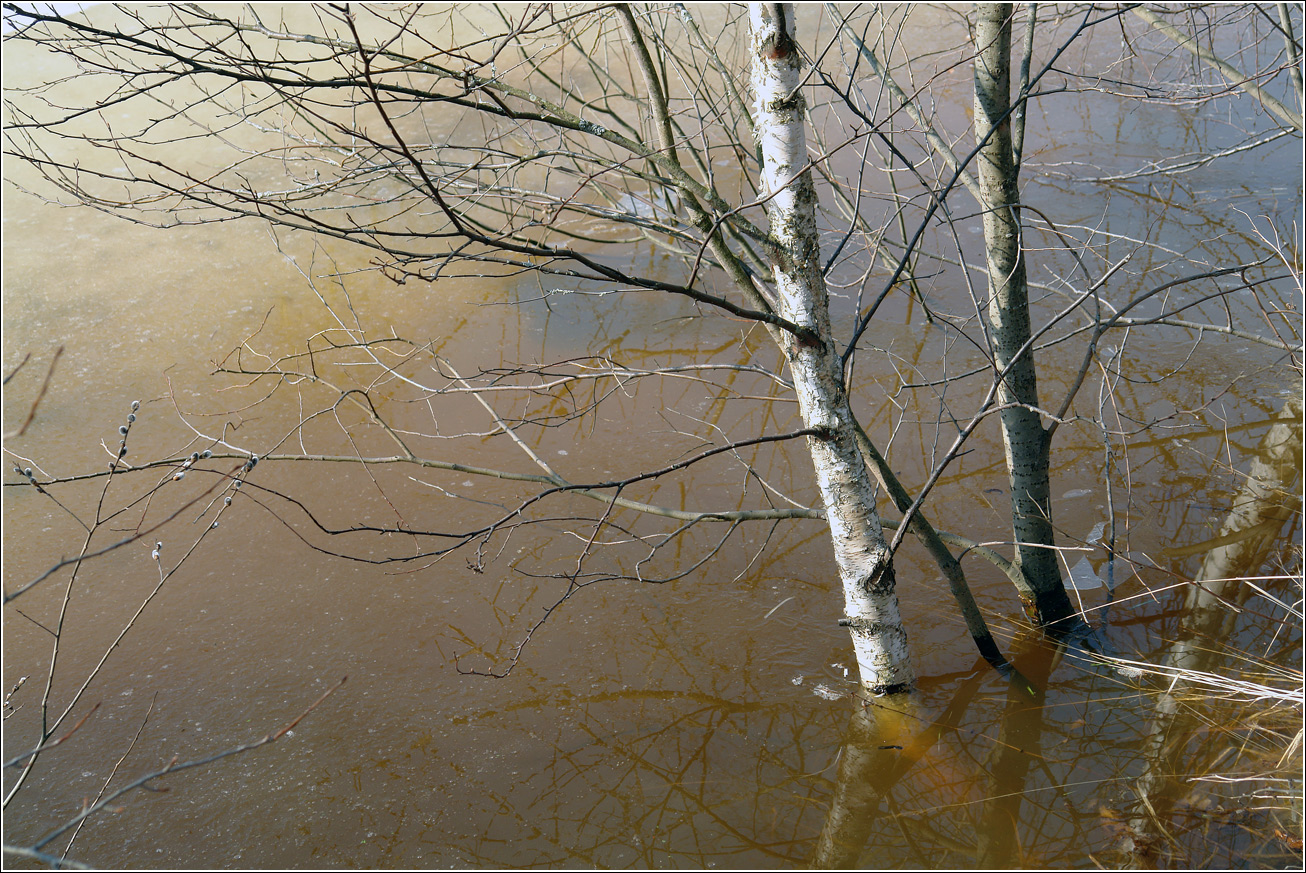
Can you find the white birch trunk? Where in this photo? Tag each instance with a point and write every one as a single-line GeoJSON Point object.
{"type": "Point", "coordinates": [1026, 441]}
{"type": "Point", "coordinates": [863, 558]}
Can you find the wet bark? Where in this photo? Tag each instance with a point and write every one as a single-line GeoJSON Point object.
{"type": "Point", "coordinates": [862, 555]}
{"type": "Point", "coordinates": [1027, 442]}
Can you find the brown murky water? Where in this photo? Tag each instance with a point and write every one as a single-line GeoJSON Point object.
{"type": "Point", "coordinates": [708, 719]}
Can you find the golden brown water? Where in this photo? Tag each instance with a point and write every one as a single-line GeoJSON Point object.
{"type": "Point", "coordinates": [705, 721]}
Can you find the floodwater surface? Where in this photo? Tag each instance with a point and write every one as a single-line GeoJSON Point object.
{"type": "Point", "coordinates": [637, 693]}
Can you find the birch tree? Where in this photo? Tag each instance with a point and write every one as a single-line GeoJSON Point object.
{"type": "Point", "coordinates": [451, 142]}
{"type": "Point", "coordinates": [492, 216]}
{"type": "Point", "coordinates": [791, 174]}
{"type": "Point", "coordinates": [865, 564]}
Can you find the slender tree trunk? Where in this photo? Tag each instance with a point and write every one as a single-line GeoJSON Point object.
{"type": "Point", "coordinates": [1027, 443]}
{"type": "Point", "coordinates": [865, 565]}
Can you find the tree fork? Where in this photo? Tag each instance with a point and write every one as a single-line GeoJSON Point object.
{"type": "Point", "coordinates": [1027, 443]}
{"type": "Point", "coordinates": [948, 565]}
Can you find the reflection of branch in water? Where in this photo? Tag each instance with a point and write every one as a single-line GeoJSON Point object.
{"type": "Point", "coordinates": [173, 766]}
{"type": "Point", "coordinates": [40, 395]}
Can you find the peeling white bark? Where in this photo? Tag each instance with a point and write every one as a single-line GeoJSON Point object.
{"type": "Point", "coordinates": [861, 553]}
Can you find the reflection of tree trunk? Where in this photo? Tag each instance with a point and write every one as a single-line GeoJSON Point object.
{"type": "Point", "coordinates": [1165, 780]}
{"type": "Point", "coordinates": [870, 762]}
{"type": "Point", "coordinates": [1253, 525]}
{"type": "Point", "coordinates": [1019, 737]}
{"type": "Point", "coordinates": [1027, 443]}
{"type": "Point", "coordinates": [885, 741]}
{"type": "Point", "coordinates": [865, 565]}
{"type": "Point", "coordinates": [1231, 73]}
{"type": "Point", "coordinates": [1290, 46]}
